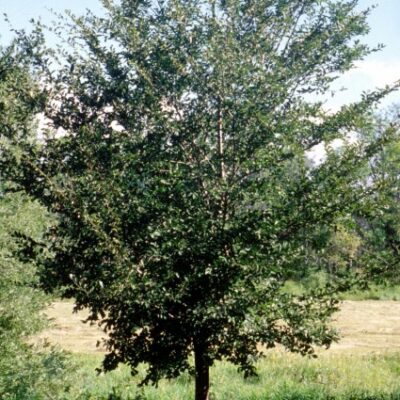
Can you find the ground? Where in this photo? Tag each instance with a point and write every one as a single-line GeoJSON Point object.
{"type": "Point", "coordinates": [369, 326]}
{"type": "Point", "coordinates": [365, 327]}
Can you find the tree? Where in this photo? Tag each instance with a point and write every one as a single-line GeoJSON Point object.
{"type": "Point", "coordinates": [332, 254]}
{"type": "Point", "coordinates": [176, 162]}
{"type": "Point", "coordinates": [26, 371]}
{"type": "Point", "coordinates": [379, 220]}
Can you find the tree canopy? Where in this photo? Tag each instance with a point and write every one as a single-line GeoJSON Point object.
{"type": "Point", "coordinates": [176, 162]}
{"type": "Point", "coordinates": [26, 370]}
{"type": "Point", "coordinates": [378, 223]}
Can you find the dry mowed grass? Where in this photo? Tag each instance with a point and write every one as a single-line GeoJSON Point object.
{"type": "Point", "coordinates": [369, 326]}
{"type": "Point", "coordinates": [365, 327]}
{"type": "Point", "coordinates": [69, 331]}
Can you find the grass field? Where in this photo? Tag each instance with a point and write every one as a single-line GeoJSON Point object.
{"type": "Point", "coordinates": [365, 365]}
{"type": "Point", "coordinates": [365, 326]}
{"type": "Point", "coordinates": [281, 376]}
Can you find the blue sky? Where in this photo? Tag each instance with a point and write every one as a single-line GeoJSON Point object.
{"type": "Point", "coordinates": [375, 71]}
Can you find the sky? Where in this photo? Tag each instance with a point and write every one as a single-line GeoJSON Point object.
{"type": "Point", "coordinates": [377, 70]}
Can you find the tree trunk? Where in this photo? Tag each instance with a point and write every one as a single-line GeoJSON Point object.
{"type": "Point", "coordinates": [221, 140]}
{"type": "Point", "coordinates": [202, 374]}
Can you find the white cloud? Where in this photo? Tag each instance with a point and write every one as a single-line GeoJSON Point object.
{"type": "Point", "coordinates": [367, 75]}
{"type": "Point", "coordinates": [318, 154]}
{"type": "Point", "coordinates": [376, 73]}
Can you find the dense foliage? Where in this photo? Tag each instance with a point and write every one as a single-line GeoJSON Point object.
{"type": "Point", "coordinates": [367, 241]}
{"type": "Point", "coordinates": [176, 162]}
{"type": "Point", "coordinates": [379, 223]}
{"type": "Point", "coordinates": [26, 371]}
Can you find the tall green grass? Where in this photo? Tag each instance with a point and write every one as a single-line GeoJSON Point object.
{"type": "Point", "coordinates": [373, 292]}
{"type": "Point", "coordinates": [282, 376]}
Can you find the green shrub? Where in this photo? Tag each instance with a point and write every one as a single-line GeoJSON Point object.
{"type": "Point", "coordinates": [27, 371]}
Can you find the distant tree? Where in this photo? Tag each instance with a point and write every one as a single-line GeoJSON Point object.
{"type": "Point", "coordinates": [378, 219]}
{"type": "Point", "coordinates": [176, 162]}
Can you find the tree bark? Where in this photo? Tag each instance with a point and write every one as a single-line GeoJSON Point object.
{"type": "Point", "coordinates": [202, 374]}
{"type": "Point", "coordinates": [221, 140]}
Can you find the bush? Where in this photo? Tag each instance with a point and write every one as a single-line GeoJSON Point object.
{"type": "Point", "coordinates": [27, 371]}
